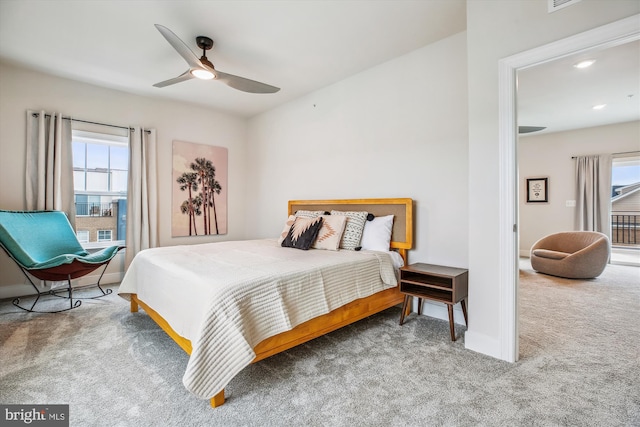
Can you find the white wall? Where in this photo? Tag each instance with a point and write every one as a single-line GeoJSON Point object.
{"type": "Point", "coordinates": [22, 89]}
{"type": "Point", "coordinates": [395, 130]}
{"type": "Point", "coordinates": [497, 29]}
{"type": "Point", "coordinates": [549, 155]}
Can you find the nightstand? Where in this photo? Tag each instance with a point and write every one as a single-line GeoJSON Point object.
{"type": "Point", "coordinates": [435, 282]}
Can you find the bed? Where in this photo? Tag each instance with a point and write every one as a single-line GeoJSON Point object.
{"type": "Point", "coordinates": [229, 304]}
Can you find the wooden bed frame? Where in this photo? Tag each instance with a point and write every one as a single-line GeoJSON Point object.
{"type": "Point", "coordinates": [401, 240]}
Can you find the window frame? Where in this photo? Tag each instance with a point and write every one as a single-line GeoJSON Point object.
{"type": "Point", "coordinates": [104, 231]}
{"type": "Point", "coordinates": [83, 242]}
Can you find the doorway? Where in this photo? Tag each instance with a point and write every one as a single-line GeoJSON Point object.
{"type": "Point", "coordinates": [614, 34]}
{"type": "Point", "coordinates": [625, 209]}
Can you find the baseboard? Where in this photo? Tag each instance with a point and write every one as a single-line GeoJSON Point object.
{"type": "Point", "coordinates": [108, 278]}
{"type": "Point", "coordinates": [16, 290]}
{"type": "Point", "coordinates": [440, 311]}
{"type": "Point", "coordinates": [481, 343]}
{"type": "Point", "coordinates": [25, 289]}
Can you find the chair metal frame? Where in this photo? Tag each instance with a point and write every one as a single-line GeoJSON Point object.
{"type": "Point", "coordinates": [55, 292]}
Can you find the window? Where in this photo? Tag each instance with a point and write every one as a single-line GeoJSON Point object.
{"type": "Point", "coordinates": [83, 236]}
{"type": "Point", "coordinates": [100, 172]}
{"type": "Point", "coordinates": [104, 235]}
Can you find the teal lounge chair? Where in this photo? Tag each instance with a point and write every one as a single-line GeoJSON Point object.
{"type": "Point", "coordinates": [44, 245]}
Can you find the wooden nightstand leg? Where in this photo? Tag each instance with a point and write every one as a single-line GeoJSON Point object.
{"type": "Point", "coordinates": [420, 301]}
{"type": "Point", "coordinates": [464, 311]}
{"type": "Point", "coordinates": [404, 309]}
{"type": "Point", "coordinates": [451, 327]}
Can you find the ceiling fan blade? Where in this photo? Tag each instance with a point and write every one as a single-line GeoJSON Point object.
{"type": "Point", "coordinates": [245, 85]}
{"type": "Point", "coordinates": [529, 129]}
{"type": "Point", "coordinates": [182, 77]}
{"type": "Point", "coordinates": [180, 47]}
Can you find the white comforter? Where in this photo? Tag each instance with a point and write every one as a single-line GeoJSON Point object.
{"type": "Point", "coordinates": [226, 297]}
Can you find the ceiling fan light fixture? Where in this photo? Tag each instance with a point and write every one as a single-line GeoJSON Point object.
{"type": "Point", "coordinates": [585, 64]}
{"type": "Point", "coordinates": [202, 74]}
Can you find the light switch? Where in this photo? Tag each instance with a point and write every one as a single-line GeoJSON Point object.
{"type": "Point", "coordinates": [570, 203]}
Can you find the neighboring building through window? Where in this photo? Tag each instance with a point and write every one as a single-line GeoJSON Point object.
{"type": "Point", "coordinates": [100, 171]}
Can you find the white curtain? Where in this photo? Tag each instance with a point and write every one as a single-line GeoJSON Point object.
{"type": "Point", "coordinates": [142, 206]}
{"type": "Point", "coordinates": [593, 195]}
{"type": "Point", "coordinates": [49, 168]}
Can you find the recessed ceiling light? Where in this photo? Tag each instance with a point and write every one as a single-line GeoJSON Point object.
{"type": "Point", "coordinates": [585, 64]}
{"type": "Point", "coordinates": [599, 106]}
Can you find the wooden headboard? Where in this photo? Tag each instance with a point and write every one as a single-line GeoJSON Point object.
{"type": "Point", "coordinates": [402, 209]}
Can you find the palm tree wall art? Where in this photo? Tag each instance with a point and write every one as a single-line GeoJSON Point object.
{"type": "Point", "coordinates": [199, 205]}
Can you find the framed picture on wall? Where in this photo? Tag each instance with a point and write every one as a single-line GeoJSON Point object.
{"type": "Point", "coordinates": [537, 190]}
{"type": "Point", "coordinates": [199, 194]}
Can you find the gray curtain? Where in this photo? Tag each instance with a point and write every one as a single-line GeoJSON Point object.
{"type": "Point", "coordinates": [142, 204]}
{"type": "Point", "coordinates": [593, 193]}
{"type": "Point", "coordinates": [49, 168]}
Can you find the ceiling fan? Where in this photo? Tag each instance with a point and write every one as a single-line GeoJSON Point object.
{"type": "Point", "coordinates": [203, 68]}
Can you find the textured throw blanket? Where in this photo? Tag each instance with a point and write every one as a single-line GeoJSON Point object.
{"type": "Point", "coordinates": [227, 297]}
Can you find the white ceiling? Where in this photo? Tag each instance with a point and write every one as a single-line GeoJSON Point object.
{"type": "Point", "coordinates": [299, 46]}
{"type": "Point", "coordinates": [561, 97]}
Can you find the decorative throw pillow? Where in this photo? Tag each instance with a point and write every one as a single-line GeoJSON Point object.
{"type": "Point", "coordinates": [302, 233]}
{"type": "Point", "coordinates": [287, 226]}
{"type": "Point", "coordinates": [352, 230]}
{"type": "Point", "coordinates": [330, 233]}
{"type": "Point", "coordinates": [310, 214]}
{"type": "Point", "coordinates": [377, 233]}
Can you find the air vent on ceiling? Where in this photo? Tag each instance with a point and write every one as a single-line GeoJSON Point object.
{"type": "Point", "coordinates": [559, 4]}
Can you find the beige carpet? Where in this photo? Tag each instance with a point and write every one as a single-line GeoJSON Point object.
{"type": "Point", "coordinates": [579, 367]}
{"type": "Point", "coordinates": [554, 312]}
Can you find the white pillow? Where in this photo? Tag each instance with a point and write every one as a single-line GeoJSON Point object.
{"type": "Point", "coordinates": [377, 234]}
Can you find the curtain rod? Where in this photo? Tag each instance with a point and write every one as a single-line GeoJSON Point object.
{"type": "Point", "coordinates": [89, 122]}
{"type": "Point", "coordinates": [613, 154]}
